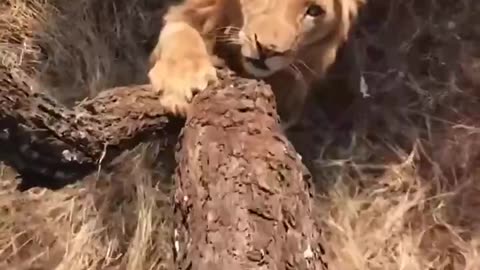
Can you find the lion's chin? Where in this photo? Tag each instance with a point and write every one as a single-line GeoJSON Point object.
{"type": "Point", "coordinates": [270, 67]}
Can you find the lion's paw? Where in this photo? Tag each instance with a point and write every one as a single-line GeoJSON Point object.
{"type": "Point", "coordinates": [178, 78]}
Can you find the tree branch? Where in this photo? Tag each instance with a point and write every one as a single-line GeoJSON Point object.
{"type": "Point", "coordinates": [47, 142]}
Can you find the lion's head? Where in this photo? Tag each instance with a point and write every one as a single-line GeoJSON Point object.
{"type": "Point", "coordinates": [273, 32]}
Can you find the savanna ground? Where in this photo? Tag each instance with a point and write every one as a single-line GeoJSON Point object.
{"type": "Point", "coordinates": [400, 190]}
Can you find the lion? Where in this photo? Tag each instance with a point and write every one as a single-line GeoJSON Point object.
{"type": "Point", "coordinates": [290, 44]}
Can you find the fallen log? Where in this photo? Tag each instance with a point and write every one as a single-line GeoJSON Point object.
{"type": "Point", "coordinates": [243, 197]}
{"type": "Point", "coordinates": [51, 145]}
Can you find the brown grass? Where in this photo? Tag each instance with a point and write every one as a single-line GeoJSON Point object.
{"type": "Point", "coordinates": [402, 193]}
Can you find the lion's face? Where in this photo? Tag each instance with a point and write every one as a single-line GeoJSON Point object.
{"type": "Point", "coordinates": [274, 31]}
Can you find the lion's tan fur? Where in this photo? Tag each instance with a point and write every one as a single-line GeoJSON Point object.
{"type": "Point", "coordinates": [194, 33]}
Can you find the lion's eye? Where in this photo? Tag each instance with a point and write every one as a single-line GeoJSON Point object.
{"type": "Point", "coordinates": [315, 10]}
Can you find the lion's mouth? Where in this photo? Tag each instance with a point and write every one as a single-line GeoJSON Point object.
{"type": "Point", "coordinates": [260, 67]}
{"type": "Point", "coordinates": [257, 63]}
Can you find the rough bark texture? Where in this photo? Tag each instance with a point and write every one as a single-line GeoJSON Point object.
{"type": "Point", "coordinates": [243, 197]}
{"type": "Point", "coordinates": [47, 142]}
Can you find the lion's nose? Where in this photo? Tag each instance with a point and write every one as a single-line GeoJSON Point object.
{"type": "Point", "coordinates": [266, 49]}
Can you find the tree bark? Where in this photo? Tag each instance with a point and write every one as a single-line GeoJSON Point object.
{"type": "Point", "coordinates": [51, 145]}
{"type": "Point", "coordinates": [243, 197]}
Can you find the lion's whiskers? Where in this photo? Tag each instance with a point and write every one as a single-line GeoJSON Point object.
{"type": "Point", "coordinates": [231, 35]}
{"type": "Point", "coordinates": [296, 71]}
{"type": "Point", "coordinates": [229, 39]}
{"type": "Point", "coordinates": [229, 30]}
{"type": "Point", "coordinates": [306, 66]}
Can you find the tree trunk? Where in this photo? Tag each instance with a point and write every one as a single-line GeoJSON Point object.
{"type": "Point", "coordinates": [243, 197]}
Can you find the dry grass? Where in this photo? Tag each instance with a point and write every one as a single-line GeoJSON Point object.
{"type": "Point", "coordinates": [404, 194]}
{"type": "Point", "coordinates": [119, 222]}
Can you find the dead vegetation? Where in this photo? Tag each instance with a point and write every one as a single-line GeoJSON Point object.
{"type": "Point", "coordinates": [398, 191]}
